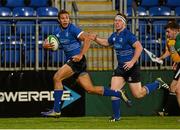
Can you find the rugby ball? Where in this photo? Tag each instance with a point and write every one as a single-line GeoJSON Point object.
{"type": "Point", "coordinates": [52, 39]}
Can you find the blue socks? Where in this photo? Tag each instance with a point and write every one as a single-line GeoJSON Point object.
{"type": "Point", "coordinates": [109, 92]}
{"type": "Point", "coordinates": [57, 100]}
{"type": "Point", "coordinates": [115, 101]}
{"type": "Point", "coordinates": [116, 108]}
{"type": "Point", "coordinates": [152, 86]}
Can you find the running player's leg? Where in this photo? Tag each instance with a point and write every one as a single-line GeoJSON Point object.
{"type": "Point", "coordinates": [85, 81]}
{"type": "Point", "coordinates": [140, 91]}
{"type": "Point", "coordinates": [64, 72]}
{"type": "Point", "coordinates": [175, 85]}
{"type": "Point", "coordinates": [162, 84]}
{"type": "Point", "coordinates": [117, 83]}
{"type": "Point", "coordinates": [137, 89]}
{"type": "Point", "coordinates": [178, 91]}
{"type": "Point", "coordinates": [175, 88]}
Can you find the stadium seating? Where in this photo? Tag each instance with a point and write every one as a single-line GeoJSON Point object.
{"type": "Point", "coordinates": [47, 26]}
{"type": "Point", "coordinates": [159, 11]}
{"type": "Point", "coordinates": [142, 22]}
{"type": "Point", "coordinates": [5, 12]}
{"type": "Point", "coordinates": [173, 3]}
{"type": "Point", "coordinates": [47, 11]}
{"type": "Point", "coordinates": [158, 27]}
{"type": "Point", "coordinates": [10, 45]}
{"type": "Point", "coordinates": [28, 26]}
{"type": "Point", "coordinates": [143, 27]}
{"type": "Point", "coordinates": [148, 4]}
{"type": "Point", "coordinates": [39, 3]}
{"type": "Point", "coordinates": [15, 3]}
{"type": "Point", "coordinates": [129, 3]}
{"type": "Point", "coordinates": [129, 12]}
{"type": "Point", "coordinates": [25, 29]}
{"type": "Point", "coordinates": [29, 54]}
{"type": "Point", "coordinates": [5, 32]}
{"type": "Point", "coordinates": [158, 24]}
{"type": "Point", "coordinates": [23, 11]}
{"type": "Point", "coordinates": [140, 10]}
{"type": "Point", "coordinates": [24, 26]}
{"type": "Point", "coordinates": [5, 24]}
{"type": "Point", "coordinates": [177, 11]}
{"type": "Point", "coordinates": [10, 53]}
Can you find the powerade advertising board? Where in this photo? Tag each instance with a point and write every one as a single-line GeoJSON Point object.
{"type": "Point", "coordinates": [28, 93]}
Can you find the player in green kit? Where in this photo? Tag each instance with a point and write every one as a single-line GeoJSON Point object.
{"type": "Point", "coordinates": [173, 50]}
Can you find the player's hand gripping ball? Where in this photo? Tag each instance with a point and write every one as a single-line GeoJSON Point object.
{"type": "Point", "coordinates": [52, 39]}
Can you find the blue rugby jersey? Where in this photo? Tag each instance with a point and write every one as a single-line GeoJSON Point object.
{"type": "Point", "coordinates": [69, 41]}
{"type": "Point", "coordinates": [123, 44]}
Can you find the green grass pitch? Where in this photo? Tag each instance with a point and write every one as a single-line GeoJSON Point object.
{"type": "Point", "coordinates": [130, 122]}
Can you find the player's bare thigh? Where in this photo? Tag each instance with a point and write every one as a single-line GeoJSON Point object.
{"type": "Point", "coordinates": [64, 72]}
{"type": "Point", "coordinates": [175, 84]}
{"type": "Point", "coordinates": [117, 83]}
{"type": "Point", "coordinates": [84, 80]}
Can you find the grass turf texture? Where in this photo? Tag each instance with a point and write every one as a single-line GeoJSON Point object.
{"type": "Point", "coordinates": [149, 122]}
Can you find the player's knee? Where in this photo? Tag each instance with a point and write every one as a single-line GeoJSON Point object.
{"type": "Point", "coordinates": [173, 88]}
{"type": "Point", "coordinates": [138, 96]}
{"type": "Point", "coordinates": [178, 91]}
{"type": "Point", "coordinates": [56, 78]}
{"type": "Point", "coordinates": [89, 90]}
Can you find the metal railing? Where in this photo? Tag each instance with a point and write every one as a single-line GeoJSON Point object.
{"type": "Point", "coordinates": [21, 45]}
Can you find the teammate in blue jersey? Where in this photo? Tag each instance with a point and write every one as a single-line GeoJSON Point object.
{"type": "Point", "coordinates": [128, 50]}
{"type": "Point", "coordinates": [71, 38]}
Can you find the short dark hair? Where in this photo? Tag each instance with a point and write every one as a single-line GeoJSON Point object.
{"type": "Point", "coordinates": [172, 25]}
{"type": "Point", "coordinates": [62, 12]}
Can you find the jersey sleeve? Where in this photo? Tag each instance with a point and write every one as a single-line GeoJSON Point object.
{"type": "Point", "coordinates": [110, 40]}
{"type": "Point", "coordinates": [76, 30]}
{"type": "Point", "coordinates": [55, 31]}
{"type": "Point", "coordinates": [131, 38]}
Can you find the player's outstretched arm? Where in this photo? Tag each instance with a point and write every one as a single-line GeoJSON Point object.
{"type": "Point", "coordinates": [98, 40]}
{"type": "Point", "coordinates": [165, 54]}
